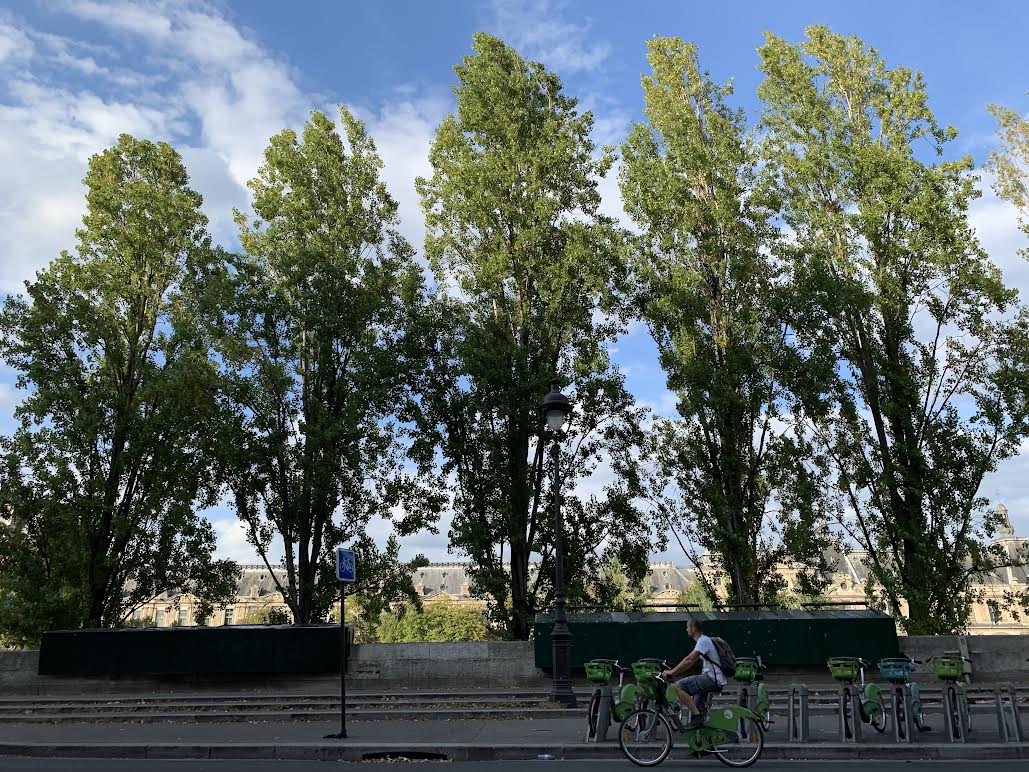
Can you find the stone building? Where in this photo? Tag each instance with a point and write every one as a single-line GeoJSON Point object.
{"type": "Point", "coordinates": [449, 582]}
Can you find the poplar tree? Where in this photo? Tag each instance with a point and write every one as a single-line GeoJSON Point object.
{"type": "Point", "coordinates": [925, 391]}
{"type": "Point", "coordinates": [113, 456]}
{"type": "Point", "coordinates": [527, 268]}
{"type": "Point", "coordinates": [711, 292]}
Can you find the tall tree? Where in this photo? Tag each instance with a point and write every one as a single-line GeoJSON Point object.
{"type": "Point", "coordinates": [525, 263]}
{"type": "Point", "coordinates": [710, 291]}
{"type": "Point", "coordinates": [929, 349]}
{"type": "Point", "coordinates": [317, 359]}
{"type": "Point", "coordinates": [103, 478]}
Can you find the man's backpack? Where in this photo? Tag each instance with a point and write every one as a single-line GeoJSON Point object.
{"type": "Point", "coordinates": [726, 659]}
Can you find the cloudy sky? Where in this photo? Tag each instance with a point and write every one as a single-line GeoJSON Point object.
{"type": "Point", "coordinates": [217, 79]}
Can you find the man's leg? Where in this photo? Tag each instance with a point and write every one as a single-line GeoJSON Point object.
{"type": "Point", "coordinates": [685, 698]}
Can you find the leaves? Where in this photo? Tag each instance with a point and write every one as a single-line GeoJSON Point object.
{"type": "Point", "coordinates": [112, 457]}
{"type": "Point", "coordinates": [316, 342]}
{"type": "Point", "coordinates": [916, 335]}
{"type": "Point", "coordinates": [523, 261]}
{"type": "Point", "coordinates": [733, 470]}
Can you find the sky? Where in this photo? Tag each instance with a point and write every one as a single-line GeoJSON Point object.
{"type": "Point", "coordinates": [217, 79]}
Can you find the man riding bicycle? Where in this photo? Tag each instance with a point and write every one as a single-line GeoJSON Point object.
{"type": "Point", "coordinates": [694, 691]}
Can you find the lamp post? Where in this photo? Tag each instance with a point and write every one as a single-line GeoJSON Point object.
{"type": "Point", "coordinates": [556, 408]}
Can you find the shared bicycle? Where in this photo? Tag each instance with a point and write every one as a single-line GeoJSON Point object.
{"type": "Point", "coordinates": [733, 734]}
{"type": "Point", "coordinates": [951, 670]}
{"type": "Point", "coordinates": [621, 701]}
{"type": "Point", "coordinates": [847, 670]}
{"type": "Point", "coordinates": [897, 670]}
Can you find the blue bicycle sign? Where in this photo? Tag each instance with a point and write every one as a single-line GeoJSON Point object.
{"type": "Point", "coordinates": [346, 565]}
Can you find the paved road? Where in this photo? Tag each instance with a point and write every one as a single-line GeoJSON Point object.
{"type": "Point", "coordinates": [102, 765]}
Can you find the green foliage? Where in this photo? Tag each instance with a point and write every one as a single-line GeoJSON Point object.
{"type": "Point", "coordinates": [139, 624]}
{"type": "Point", "coordinates": [318, 365]}
{"type": "Point", "coordinates": [1010, 163]}
{"type": "Point", "coordinates": [524, 262]}
{"type": "Point", "coordinates": [269, 616]}
{"type": "Point", "coordinates": [920, 349]}
{"type": "Point", "coordinates": [734, 467]}
{"type": "Point", "coordinates": [112, 457]}
{"type": "Point", "coordinates": [696, 594]}
{"type": "Point", "coordinates": [442, 621]}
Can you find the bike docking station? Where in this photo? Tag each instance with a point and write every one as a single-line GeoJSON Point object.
{"type": "Point", "coordinates": [798, 718]}
{"type": "Point", "coordinates": [598, 732]}
{"type": "Point", "coordinates": [850, 714]}
{"type": "Point", "coordinates": [903, 710]}
{"type": "Point", "coordinates": [1009, 721]}
{"type": "Point", "coordinates": [955, 715]}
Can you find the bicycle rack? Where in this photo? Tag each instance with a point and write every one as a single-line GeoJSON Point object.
{"type": "Point", "coordinates": [902, 731]}
{"type": "Point", "coordinates": [798, 724]}
{"type": "Point", "coordinates": [1008, 719]}
{"type": "Point", "coordinates": [603, 716]}
{"type": "Point", "coordinates": [958, 736]}
{"type": "Point", "coordinates": [855, 714]}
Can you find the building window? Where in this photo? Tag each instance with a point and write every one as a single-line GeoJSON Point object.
{"type": "Point", "coordinates": [137, 614]}
{"type": "Point", "coordinates": [994, 616]}
{"type": "Point", "coordinates": [228, 615]}
{"type": "Point", "coordinates": [668, 586]}
{"type": "Point", "coordinates": [718, 581]}
{"type": "Point", "coordinates": [182, 616]}
{"type": "Point", "coordinates": [160, 618]}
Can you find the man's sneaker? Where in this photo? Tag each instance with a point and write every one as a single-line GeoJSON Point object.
{"type": "Point", "coordinates": [696, 721]}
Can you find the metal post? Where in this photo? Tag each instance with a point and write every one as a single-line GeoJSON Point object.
{"type": "Point", "coordinates": [1009, 722]}
{"type": "Point", "coordinates": [798, 725]}
{"type": "Point", "coordinates": [603, 716]}
{"type": "Point", "coordinates": [561, 635]}
{"type": "Point", "coordinates": [342, 661]}
{"type": "Point", "coordinates": [902, 729]}
{"type": "Point", "coordinates": [853, 697]}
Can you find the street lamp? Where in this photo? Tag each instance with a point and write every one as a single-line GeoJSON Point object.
{"type": "Point", "coordinates": [556, 408]}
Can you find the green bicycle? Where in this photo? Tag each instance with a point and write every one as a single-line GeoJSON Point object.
{"type": "Point", "coordinates": [951, 670]}
{"type": "Point", "coordinates": [873, 706]}
{"type": "Point", "coordinates": [732, 734]}
{"type": "Point", "coordinates": [748, 673]}
{"type": "Point", "coordinates": [620, 702]}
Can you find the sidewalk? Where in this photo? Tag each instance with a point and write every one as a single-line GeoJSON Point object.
{"type": "Point", "coordinates": [455, 740]}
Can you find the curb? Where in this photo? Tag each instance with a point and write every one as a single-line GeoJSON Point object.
{"type": "Point", "coordinates": [357, 751]}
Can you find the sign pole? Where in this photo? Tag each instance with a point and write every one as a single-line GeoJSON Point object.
{"type": "Point", "coordinates": [346, 571]}
{"type": "Point", "coordinates": [342, 661]}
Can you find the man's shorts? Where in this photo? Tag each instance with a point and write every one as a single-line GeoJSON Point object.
{"type": "Point", "coordinates": [699, 686]}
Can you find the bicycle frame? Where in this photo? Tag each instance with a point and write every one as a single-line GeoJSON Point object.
{"type": "Point", "coordinates": [751, 675]}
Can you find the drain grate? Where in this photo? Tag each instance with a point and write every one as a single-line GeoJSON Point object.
{"type": "Point", "coordinates": [404, 756]}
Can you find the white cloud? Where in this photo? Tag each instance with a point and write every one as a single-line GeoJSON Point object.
{"type": "Point", "coordinates": [538, 31]}
{"type": "Point", "coordinates": [14, 44]}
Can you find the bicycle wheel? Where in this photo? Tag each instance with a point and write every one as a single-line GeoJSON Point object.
{"type": "Point", "coordinates": [745, 748]}
{"type": "Point", "coordinates": [878, 718]}
{"type": "Point", "coordinates": [900, 715]}
{"type": "Point", "coordinates": [645, 738]}
{"type": "Point", "coordinates": [594, 713]}
{"type": "Point", "coordinates": [955, 713]}
{"type": "Point", "coordinates": [968, 712]}
{"type": "Point", "coordinates": [848, 714]}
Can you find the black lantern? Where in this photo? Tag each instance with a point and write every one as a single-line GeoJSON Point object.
{"type": "Point", "coordinates": [556, 408]}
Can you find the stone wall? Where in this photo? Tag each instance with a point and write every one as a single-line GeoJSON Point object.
{"type": "Point", "coordinates": [412, 665]}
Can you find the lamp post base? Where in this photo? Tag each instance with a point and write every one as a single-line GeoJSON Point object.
{"type": "Point", "coordinates": [561, 639]}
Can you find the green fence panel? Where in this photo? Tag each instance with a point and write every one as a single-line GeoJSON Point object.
{"type": "Point", "coordinates": [787, 638]}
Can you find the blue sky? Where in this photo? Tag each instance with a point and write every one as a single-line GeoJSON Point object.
{"type": "Point", "coordinates": [218, 78]}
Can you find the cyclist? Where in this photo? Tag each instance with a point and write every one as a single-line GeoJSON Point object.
{"type": "Point", "coordinates": [694, 691]}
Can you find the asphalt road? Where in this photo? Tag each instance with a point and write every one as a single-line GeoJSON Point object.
{"type": "Point", "coordinates": [97, 765]}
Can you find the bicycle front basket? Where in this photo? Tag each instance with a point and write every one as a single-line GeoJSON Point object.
{"type": "Point", "coordinates": [947, 667]}
{"type": "Point", "coordinates": [895, 670]}
{"type": "Point", "coordinates": [746, 669]}
{"type": "Point", "coordinates": [598, 671]}
{"type": "Point", "coordinates": [644, 673]}
{"type": "Point", "coordinates": [843, 668]}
